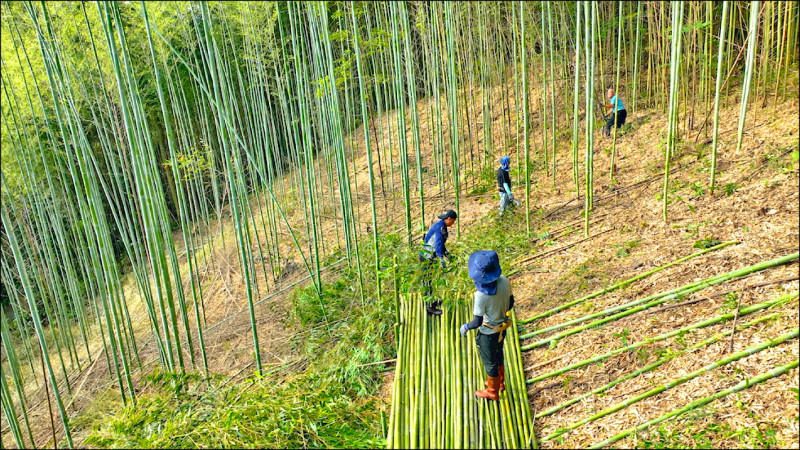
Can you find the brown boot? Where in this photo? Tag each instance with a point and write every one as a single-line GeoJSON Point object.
{"type": "Point", "coordinates": [502, 376]}
{"type": "Point", "coordinates": [490, 393]}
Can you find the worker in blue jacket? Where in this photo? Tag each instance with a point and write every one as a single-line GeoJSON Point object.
{"type": "Point", "coordinates": [433, 247]}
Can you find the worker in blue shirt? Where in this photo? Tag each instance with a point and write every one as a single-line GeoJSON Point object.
{"type": "Point", "coordinates": [617, 106]}
{"type": "Point", "coordinates": [433, 247]}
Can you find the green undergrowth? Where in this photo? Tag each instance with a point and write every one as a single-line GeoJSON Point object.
{"type": "Point", "coordinates": [334, 399]}
{"type": "Point", "coordinates": [308, 410]}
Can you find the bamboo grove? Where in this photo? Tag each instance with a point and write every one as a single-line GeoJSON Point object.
{"type": "Point", "coordinates": [138, 138]}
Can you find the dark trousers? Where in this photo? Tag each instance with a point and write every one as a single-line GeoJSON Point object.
{"type": "Point", "coordinates": [621, 116]}
{"type": "Point", "coordinates": [427, 274]}
{"type": "Point", "coordinates": [491, 352]}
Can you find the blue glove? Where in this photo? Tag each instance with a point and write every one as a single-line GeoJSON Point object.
{"type": "Point", "coordinates": [463, 330]}
{"type": "Point", "coordinates": [507, 188]}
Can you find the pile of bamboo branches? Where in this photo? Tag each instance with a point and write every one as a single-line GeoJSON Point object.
{"type": "Point", "coordinates": [437, 372]}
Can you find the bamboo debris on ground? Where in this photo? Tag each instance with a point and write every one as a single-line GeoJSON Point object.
{"type": "Point", "coordinates": [744, 384]}
{"type": "Point", "coordinates": [697, 325]}
{"type": "Point", "coordinates": [654, 300]}
{"type": "Point", "coordinates": [624, 283]}
{"type": "Point", "coordinates": [681, 380]}
{"type": "Point", "coordinates": [716, 337]}
{"type": "Point", "coordinates": [437, 372]}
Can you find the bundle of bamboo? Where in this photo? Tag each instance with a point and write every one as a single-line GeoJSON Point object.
{"type": "Point", "coordinates": [437, 372]}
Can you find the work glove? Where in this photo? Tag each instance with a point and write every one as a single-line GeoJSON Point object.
{"type": "Point", "coordinates": [463, 330]}
{"type": "Point", "coordinates": [442, 263]}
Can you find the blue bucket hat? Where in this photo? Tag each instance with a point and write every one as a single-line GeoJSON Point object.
{"type": "Point", "coordinates": [505, 163]}
{"type": "Point", "coordinates": [484, 269]}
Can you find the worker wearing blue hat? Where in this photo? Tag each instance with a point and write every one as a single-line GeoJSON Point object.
{"type": "Point", "coordinates": [493, 301]}
{"type": "Point", "coordinates": [504, 185]}
{"type": "Point", "coordinates": [433, 247]}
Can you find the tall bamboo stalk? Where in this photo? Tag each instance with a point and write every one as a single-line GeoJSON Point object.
{"type": "Point", "coordinates": [752, 41]}
{"type": "Point", "coordinates": [715, 132]}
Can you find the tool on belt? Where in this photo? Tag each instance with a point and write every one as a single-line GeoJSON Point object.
{"type": "Point", "coordinates": [498, 328]}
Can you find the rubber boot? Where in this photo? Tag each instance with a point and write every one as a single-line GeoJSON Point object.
{"type": "Point", "coordinates": [491, 391]}
{"type": "Point", "coordinates": [502, 377]}
{"type": "Point", "coordinates": [433, 310]}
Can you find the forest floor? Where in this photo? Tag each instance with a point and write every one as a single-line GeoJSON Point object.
{"type": "Point", "coordinates": [756, 204]}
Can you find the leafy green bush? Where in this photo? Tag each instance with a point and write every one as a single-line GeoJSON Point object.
{"type": "Point", "coordinates": [308, 411]}
{"type": "Point", "coordinates": [706, 242]}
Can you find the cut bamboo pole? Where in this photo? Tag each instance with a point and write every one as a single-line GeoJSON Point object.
{"type": "Point", "coordinates": [690, 376]}
{"type": "Point", "coordinates": [652, 366]}
{"type": "Point", "coordinates": [744, 384]}
{"type": "Point", "coordinates": [702, 324]}
{"type": "Point", "coordinates": [654, 300]}
{"type": "Point", "coordinates": [624, 283]}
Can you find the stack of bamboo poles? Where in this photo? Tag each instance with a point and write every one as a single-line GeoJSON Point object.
{"type": "Point", "coordinates": [437, 372]}
{"type": "Point", "coordinates": [641, 305]}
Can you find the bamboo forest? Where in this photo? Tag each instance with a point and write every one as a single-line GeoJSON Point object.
{"type": "Point", "coordinates": [399, 224]}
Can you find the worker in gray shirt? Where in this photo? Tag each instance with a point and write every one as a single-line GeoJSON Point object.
{"type": "Point", "coordinates": [493, 301]}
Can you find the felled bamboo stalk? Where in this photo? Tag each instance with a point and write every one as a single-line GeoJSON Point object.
{"type": "Point", "coordinates": [704, 323]}
{"type": "Point", "coordinates": [652, 366]}
{"type": "Point", "coordinates": [624, 283]}
{"type": "Point", "coordinates": [661, 298]}
{"type": "Point", "coordinates": [744, 384]}
{"type": "Point", "coordinates": [690, 376]}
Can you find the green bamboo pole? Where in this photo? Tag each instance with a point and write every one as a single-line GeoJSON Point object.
{"type": "Point", "coordinates": [720, 54]}
{"type": "Point", "coordinates": [16, 376]}
{"type": "Point", "coordinates": [616, 91]}
{"type": "Point", "coordinates": [575, 102]}
{"type": "Point", "coordinates": [744, 384]}
{"type": "Point", "coordinates": [525, 119]}
{"type": "Point", "coordinates": [365, 116]}
{"type": "Point", "coordinates": [27, 287]}
{"type": "Point", "coordinates": [11, 415]}
{"type": "Point", "coordinates": [752, 41]}
{"type": "Point", "coordinates": [688, 377]}
{"type": "Point", "coordinates": [453, 104]}
{"type": "Point", "coordinates": [590, 26]}
{"type": "Point", "coordinates": [634, 98]}
{"type": "Point", "coordinates": [553, 117]}
{"type": "Point", "coordinates": [624, 283]}
{"type": "Point", "coordinates": [697, 325]}
{"type": "Point", "coordinates": [412, 95]}
{"type": "Point", "coordinates": [672, 114]}
{"type": "Point", "coordinates": [648, 302]}
{"type": "Point", "coordinates": [656, 364]}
